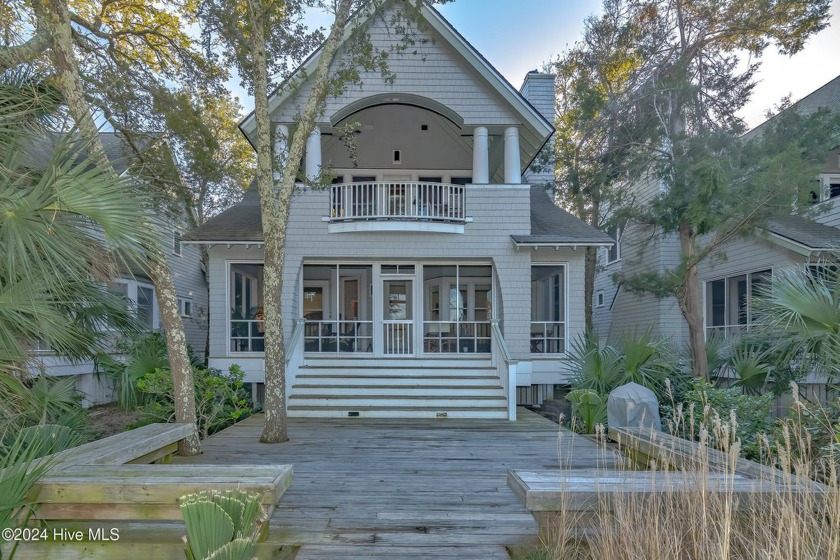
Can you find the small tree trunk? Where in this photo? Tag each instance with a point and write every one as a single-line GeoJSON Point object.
{"type": "Point", "coordinates": [590, 263]}
{"type": "Point", "coordinates": [690, 302]}
{"type": "Point", "coordinates": [176, 346]}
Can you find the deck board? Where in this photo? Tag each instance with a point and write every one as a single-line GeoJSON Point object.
{"type": "Point", "coordinates": [397, 488]}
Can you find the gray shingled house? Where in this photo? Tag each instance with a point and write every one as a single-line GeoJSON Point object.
{"type": "Point", "coordinates": [728, 283]}
{"type": "Point", "coordinates": [430, 279]}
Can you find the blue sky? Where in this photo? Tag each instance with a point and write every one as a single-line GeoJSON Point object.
{"type": "Point", "coordinates": [520, 35]}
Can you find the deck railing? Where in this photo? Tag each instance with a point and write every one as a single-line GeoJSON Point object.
{"type": "Point", "coordinates": [440, 202]}
{"type": "Point", "coordinates": [398, 337]}
{"type": "Point", "coordinates": [506, 368]}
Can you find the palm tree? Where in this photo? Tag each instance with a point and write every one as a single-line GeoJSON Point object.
{"type": "Point", "coordinates": [66, 226]}
{"type": "Point", "coordinates": [799, 310]}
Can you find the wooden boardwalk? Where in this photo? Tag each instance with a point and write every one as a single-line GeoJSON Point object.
{"type": "Point", "coordinates": [368, 488]}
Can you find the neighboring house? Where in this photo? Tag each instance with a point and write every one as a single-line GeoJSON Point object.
{"type": "Point", "coordinates": [428, 280]}
{"type": "Point", "coordinates": [728, 283]}
{"type": "Point", "coordinates": [188, 275]}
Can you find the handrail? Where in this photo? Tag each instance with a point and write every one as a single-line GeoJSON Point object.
{"type": "Point", "coordinates": [506, 369]}
{"type": "Point", "coordinates": [497, 332]}
{"type": "Point", "coordinates": [295, 340]}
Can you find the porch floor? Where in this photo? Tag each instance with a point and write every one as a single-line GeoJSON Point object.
{"type": "Point", "coordinates": [389, 488]}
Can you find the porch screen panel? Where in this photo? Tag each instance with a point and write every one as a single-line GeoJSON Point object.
{"type": "Point", "coordinates": [548, 309]}
{"type": "Point", "coordinates": [337, 308]}
{"type": "Point", "coordinates": [456, 308]}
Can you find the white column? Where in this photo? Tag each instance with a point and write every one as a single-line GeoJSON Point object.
{"type": "Point", "coordinates": [481, 165]}
{"type": "Point", "coordinates": [281, 150]}
{"type": "Point", "coordinates": [513, 174]}
{"type": "Point", "coordinates": [313, 154]}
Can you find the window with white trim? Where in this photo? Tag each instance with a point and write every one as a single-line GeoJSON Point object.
{"type": "Point", "coordinates": [140, 297]}
{"type": "Point", "coordinates": [729, 303]}
{"type": "Point", "coordinates": [185, 306]}
{"type": "Point", "coordinates": [614, 251]}
{"type": "Point", "coordinates": [599, 299]}
{"type": "Point", "coordinates": [548, 309]}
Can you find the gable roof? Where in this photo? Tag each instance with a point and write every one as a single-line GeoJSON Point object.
{"type": "Point", "coordinates": [553, 226]}
{"type": "Point", "coordinates": [825, 97]}
{"type": "Point", "coordinates": [540, 128]}
{"type": "Point", "coordinates": [802, 235]}
{"type": "Point", "coordinates": [242, 223]}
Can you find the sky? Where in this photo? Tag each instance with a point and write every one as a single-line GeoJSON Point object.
{"type": "Point", "coordinates": [517, 36]}
{"type": "Point", "coordinates": [516, 39]}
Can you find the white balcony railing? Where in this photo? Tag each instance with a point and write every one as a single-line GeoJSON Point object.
{"type": "Point", "coordinates": [435, 202]}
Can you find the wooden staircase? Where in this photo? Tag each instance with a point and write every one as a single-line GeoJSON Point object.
{"type": "Point", "coordinates": [437, 389]}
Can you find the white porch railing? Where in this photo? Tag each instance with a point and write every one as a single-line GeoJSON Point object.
{"type": "Point", "coordinates": [548, 337]}
{"type": "Point", "coordinates": [397, 200]}
{"type": "Point", "coordinates": [728, 332]}
{"type": "Point", "coordinates": [247, 335]}
{"type": "Point", "coordinates": [398, 337]}
{"type": "Point", "coordinates": [506, 369]}
{"type": "Point", "coordinates": [331, 337]}
{"type": "Point", "coordinates": [462, 337]}
{"type": "Point", "coordinates": [294, 356]}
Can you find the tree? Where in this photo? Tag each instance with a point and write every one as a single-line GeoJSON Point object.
{"type": "Point", "coordinates": [135, 47]}
{"type": "Point", "coordinates": [691, 86]}
{"type": "Point", "coordinates": [593, 81]}
{"type": "Point", "coordinates": [262, 38]}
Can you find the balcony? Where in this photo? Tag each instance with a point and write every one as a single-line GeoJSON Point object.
{"type": "Point", "coordinates": [397, 206]}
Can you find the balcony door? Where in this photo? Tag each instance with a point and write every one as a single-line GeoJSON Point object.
{"type": "Point", "coordinates": [398, 315]}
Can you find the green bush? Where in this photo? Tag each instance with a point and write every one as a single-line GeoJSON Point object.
{"type": "Point", "coordinates": [140, 357]}
{"type": "Point", "coordinates": [703, 406]}
{"type": "Point", "coordinates": [589, 409]}
{"type": "Point", "coordinates": [220, 398]}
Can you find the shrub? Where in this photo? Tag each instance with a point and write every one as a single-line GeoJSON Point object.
{"type": "Point", "coordinates": [220, 398]}
{"type": "Point", "coordinates": [589, 409]}
{"type": "Point", "coordinates": [141, 357]}
{"type": "Point", "coordinates": [706, 407]}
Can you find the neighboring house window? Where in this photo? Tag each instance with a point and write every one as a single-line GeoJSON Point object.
{"type": "Point", "coordinates": [141, 298]}
{"type": "Point", "coordinates": [185, 305]}
{"type": "Point", "coordinates": [614, 252]}
{"type": "Point", "coordinates": [548, 309]}
{"type": "Point", "coordinates": [176, 242]}
{"type": "Point", "coordinates": [729, 303]}
{"type": "Point", "coordinates": [247, 316]}
{"type": "Point", "coordinates": [599, 299]}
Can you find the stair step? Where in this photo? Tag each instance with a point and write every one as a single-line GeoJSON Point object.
{"type": "Point", "coordinates": [430, 391]}
{"type": "Point", "coordinates": [398, 412]}
{"type": "Point", "coordinates": [403, 401]}
{"type": "Point", "coordinates": [324, 382]}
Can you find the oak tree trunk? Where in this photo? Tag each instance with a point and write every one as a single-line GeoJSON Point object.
{"type": "Point", "coordinates": [176, 347]}
{"type": "Point", "coordinates": [54, 17]}
{"type": "Point", "coordinates": [275, 209]}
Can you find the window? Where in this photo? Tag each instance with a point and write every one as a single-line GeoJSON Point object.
{"type": "Point", "coordinates": [729, 309]}
{"type": "Point", "coordinates": [548, 309]}
{"type": "Point", "coordinates": [614, 251]}
{"type": "Point", "coordinates": [460, 180]}
{"type": "Point", "coordinates": [397, 157]}
{"type": "Point", "coordinates": [140, 297]}
{"type": "Point", "coordinates": [599, 299]}
{"type": "Point", "coordinates": [185, 305]}
{"type": "Point", "coordinates": [176, 242]}
{"type": "Point", "coordinates": [247, 317]}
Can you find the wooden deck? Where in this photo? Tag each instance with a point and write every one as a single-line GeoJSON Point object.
{"type": "Point", "coordinates": [368, 488]}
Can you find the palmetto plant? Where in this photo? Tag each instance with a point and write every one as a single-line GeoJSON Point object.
{"type": "Point", "coordinates": [221, 525]}
{"type": "Point", "coordinates": [800, 312]}
{"type": "Point", "coordinates": [65, 226]}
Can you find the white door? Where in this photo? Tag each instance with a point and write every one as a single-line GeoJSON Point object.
{"type": "Point", "coordinates": [398, 316]}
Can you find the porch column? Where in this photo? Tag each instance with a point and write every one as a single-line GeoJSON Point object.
{"type": "Point", "coordinates": [281, 151]}
{"type": "Point", "coordinates": [481, 165]}
{"type": "Point", "coordinates": [513, 174]}
{"type": "Point", "coordinates": [313, 154]}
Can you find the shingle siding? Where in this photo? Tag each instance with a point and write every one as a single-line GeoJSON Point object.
{"type": "Point", "coordinates": [431, 69]}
